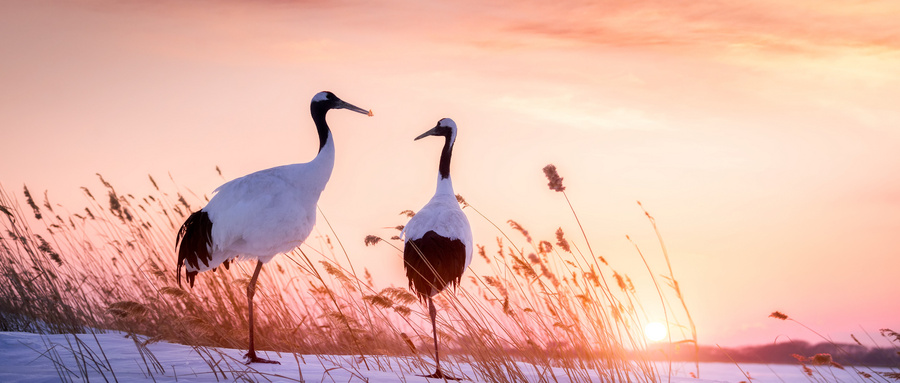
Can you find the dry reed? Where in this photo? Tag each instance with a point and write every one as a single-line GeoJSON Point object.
{"type": "Point", "coordinates": [543, 302]}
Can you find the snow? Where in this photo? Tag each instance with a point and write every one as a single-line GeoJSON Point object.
{"type": "Point", "coordinates": [115, 356]}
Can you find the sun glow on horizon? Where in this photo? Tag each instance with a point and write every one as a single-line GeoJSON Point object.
{"type": "Point", "coordinates": [655, 331]}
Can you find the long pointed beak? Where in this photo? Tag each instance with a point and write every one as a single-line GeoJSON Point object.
{"type": "Point", "coordinates": [430, 132]}
{"type": "Point", "coordinates": [346, 105]}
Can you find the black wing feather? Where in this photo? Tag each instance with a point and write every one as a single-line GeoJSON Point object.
{"type": "Point", "coordinates": [433, 262]}
{"type": "Point", "coordinates": [193, 242]}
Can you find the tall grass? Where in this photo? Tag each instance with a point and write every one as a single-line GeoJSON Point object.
{"type": "Point", "coordinates": [553, 304]}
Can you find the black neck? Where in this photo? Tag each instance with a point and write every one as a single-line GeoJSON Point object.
{"type": "Point", "coordinates": [444, 167]}
{"type": "Point", "coordinates": [318, 115]}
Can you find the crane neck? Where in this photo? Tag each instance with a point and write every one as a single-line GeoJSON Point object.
{"type": "Point", "coordinates": [444, 185]}
{"type": "Point", "coordinates": [318, 115]}
{"type": "Point", "coordinates": [444, 165]}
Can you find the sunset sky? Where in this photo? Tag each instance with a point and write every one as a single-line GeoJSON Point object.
{"type": "Point", "coordinates": [763, 136]}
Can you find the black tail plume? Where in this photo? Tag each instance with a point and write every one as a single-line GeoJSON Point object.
{"type": "Point", "coordinates": [432, 263]}
{"type": "Point", "coordinates": [193, 243]}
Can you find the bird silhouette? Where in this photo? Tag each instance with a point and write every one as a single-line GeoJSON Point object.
{"type": "Point", "coordinates": [261, 214]}
{"type": "Point", "coordinates": [438, 240]}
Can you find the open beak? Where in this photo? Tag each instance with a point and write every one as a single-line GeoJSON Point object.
{"type": "Point", "coordinates": [431, 132]}
{"type": "Point", "coordinates": [346, 105]}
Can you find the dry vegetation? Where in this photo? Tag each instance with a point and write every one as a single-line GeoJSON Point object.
{"type": "Point", "coordinates": [550, 303]}
{"type": "Point", "coordinates": [813, 365]}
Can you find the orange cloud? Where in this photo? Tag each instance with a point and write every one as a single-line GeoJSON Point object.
{"type": "Point", "coordinates": [772, 26]}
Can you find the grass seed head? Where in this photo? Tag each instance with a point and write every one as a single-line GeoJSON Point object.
{"type": "Point", "coordinates": [372, 240]}
{"type": "Point", "coordinates": [6, 210]}
{"type": "Point", "coordinates": [483, 254]}
{"type": "Point", "coordinates": [379, 301]}
{"type": "Point", "coordinates": [555, 183]}
{"type": "Point", "coordinates": [37, 211]}
{"type": "Point", "coordinates": [515, 225]}
{"type": "Point", "coordinates": [183, 202]}
{"type": "Point", "coordinates": [174, 291]}
{"type": "Point", "coordinates": [409, 343]}
{"type": "Point", "coordinates": [561, 240]}
{"type": "Point", "coordinates": [620, 281]}
{"type": "Point", "coordinates": [888, 333]}
{"type": "Point", "coordinates": [47, 204]}
{"type": "Point", "coordinates": [821, 359]}
{"type": "Point", "coordinates": [125, 309]}
{"type": "Point", "coordinates": [46, 249]}
{"type": "Point", "coordinates": [402, 310]}
{"type": "Point", "coordinates": [544, 247]}
{"type": "Point", "coordinates": [88, 192]}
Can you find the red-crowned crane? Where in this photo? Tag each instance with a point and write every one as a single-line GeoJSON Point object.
{"type": "Point", "coordinates": [261, 214]}
{"type": "Point", "coordinates": [438, 239]}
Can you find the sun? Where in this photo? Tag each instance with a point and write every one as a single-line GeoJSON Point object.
{"type": "Point", "coordinates": [655, 331]}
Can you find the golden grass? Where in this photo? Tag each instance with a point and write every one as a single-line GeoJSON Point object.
{"type": "Point", "coordinates": [111, 265]}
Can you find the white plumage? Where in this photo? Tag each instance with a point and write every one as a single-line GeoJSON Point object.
{"type": "Point", "coordinates": [442, 215]}
{"type": "Point", "coordinates": [268, 212]}
{"type": "Point", "coordinates": [262, 214]}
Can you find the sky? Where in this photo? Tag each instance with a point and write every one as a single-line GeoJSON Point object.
{"type": "Point", "coordinates": [762, 137]}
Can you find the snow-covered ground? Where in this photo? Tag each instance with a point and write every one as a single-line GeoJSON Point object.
{"type": "Point", "coordinates": [27, 357]}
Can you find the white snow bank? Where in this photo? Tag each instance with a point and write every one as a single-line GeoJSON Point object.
{"type": "Point", "coordinates": [113, 356]}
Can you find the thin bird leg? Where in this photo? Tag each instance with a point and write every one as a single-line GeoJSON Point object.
{"type": "Point", "coordinates": [438, 374]}
{"type": "Point", "coordinates": [251, 290]}
{"type": "Point", "coordinates": [433, 313]}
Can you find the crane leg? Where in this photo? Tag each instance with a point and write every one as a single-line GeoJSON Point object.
{"type": "Point", "coordinates": [251, 289]}
{"type": "Point", "coordinates": [438, 374]}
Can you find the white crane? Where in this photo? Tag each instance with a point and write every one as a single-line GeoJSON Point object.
{"type": "Point", "coordinates": [261, 214]}
{"type": "Point", "coordinates": [438, 239]}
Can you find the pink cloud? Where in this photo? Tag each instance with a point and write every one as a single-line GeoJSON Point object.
{"type": "Point", "coordinates": [776, 26]}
